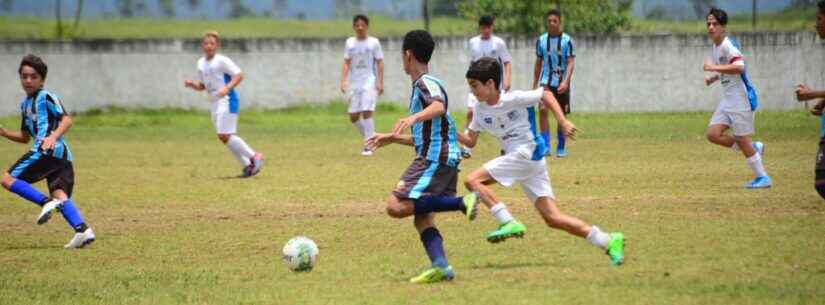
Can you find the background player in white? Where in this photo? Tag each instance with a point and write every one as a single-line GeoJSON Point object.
{"type": "Point", "coordinates": [362, 77]}
{"type": "Point", "coordinates": [511, 118]}
{"type": "Point", "coordinates": [738, 105]}
{"type": "Point", "coordinates": [486, 45]}
{"type": "Point", "coordinates": [219, 76]}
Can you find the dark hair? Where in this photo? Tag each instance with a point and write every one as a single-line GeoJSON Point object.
{"type": "Point", "coordinates": [420, 44]}
{"type": "Point", "coordinates": [361, 17]}
{"type": "Point", "coordinates": [720, 15]}
{"type": "Point", "coordinates": [821, 6]}
{"type": "Point", "coordinates": [486, 20]}
{"type": "Point", "coordinates": [485, 69]}
{"type": "Point", "coordinates": [553, 12]}
{"type": "Point", "coordinates": [35, 63]}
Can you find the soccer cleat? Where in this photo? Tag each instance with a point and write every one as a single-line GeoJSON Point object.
{"type": "Point", "coordinates": [471, 204]}
{"type": "Point", "coordinates": [507, 230]}
{"type": "Point", "coordinates": [434, 275]}
{"type": "Point", "coordinates": [561, 153]}
{"type": "Point", "coordinates": [48, 208]}
{"type": "Point", "coordinates": [760, 183]}
{"type": "Point", "coordinates": [615, 249]}
{"type": "Point", "coordinates": [759, 147]}
{"type": "Point", "coordinates": [255, 165]}
{"type": "Point", "coordinates": [366, 152]}
{"type": "Point", "coordinates": [466, 153]}
{"type": "Point", "coordinates": [80, 240]}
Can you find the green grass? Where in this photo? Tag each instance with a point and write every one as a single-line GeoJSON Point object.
{"type": "Point", "coordinates": [129, 28]}
{"type": "Point", "coordinates": [175, 228]}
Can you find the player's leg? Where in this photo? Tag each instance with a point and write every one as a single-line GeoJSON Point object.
{"type": "Point", "coordinates": [743, 127]}
{"type": "Point", "coordinates": [367, 108]}
{"type": "Point", "coordinates": [433, 243]}
{"type": "Point", "coordinates": [544, 125]}
{"type": "Point", "coordinates": [30, 168]}
{"type": "Point", "coordinates": [427, 187]}
{"type": "Point", "coordinates": [226, 125]}
{"type": "Point", "coordinates": [819, 180]}
{"type": "Point", "coordinates": [354, 111]}
{"type": "Point", "coordinates": [561, 138]}
{"type": "Point", "coordinates": [716, 135]}
{"type": "Point", "coordinates": [478, 181]}
{"type": "Point", "coordinates": [61, 185]}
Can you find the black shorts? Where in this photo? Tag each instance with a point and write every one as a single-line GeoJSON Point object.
{"type": "Point", "coordinates": [425, 177]}
{"type": "Point", "coordinates": [33, 167]}
{"type": "Point", "coordinates": [820, 161]}
{"type": "Point", "coordinates": [563, 99]}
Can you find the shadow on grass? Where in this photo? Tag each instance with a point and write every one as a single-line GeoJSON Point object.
{"type": "Point", "coordinates": [506, 266]}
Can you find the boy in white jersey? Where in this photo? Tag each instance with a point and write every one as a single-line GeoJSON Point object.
{"type": "Point", "coordinates": [362, 77]}
{"type": "Point", "coordinates": [511, 118]}
{"type": "Point", "coordinates": [486, 45]}
{"type": "Point", "coordinates": [739, 102]}
{"type": "Point", "coordinates": [805, 93]}
{"type": "Point", "coordinates": [219, 76]}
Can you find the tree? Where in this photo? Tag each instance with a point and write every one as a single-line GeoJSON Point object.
{"type": "Point", "coordinates": [78, 10]}
{"type": "Point", "coordinates": [701, 7]}
{"type": "Point", "coordinates": [527, 16]}
{"type": "Point", "coordinates": [59, 22]}
{"type": "Point", "coordinates": [167, 7]}
{"type": "Point", "coordinates": [238, 10]}
{"type": "Point", "coordinates": [6, 5]}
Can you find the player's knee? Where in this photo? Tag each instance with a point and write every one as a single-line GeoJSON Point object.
{"type": "Point", "coordinates": [354, 117]}
{"type": "Point", "coordinates": [224, 138]}
{"type": "Point", "coordinates": [711, 136]}
{"type": "Point", "coordinates": [395, 209]}
{"type": "Point", "coordinates": [7, 181]}
{"type": "Point", "coordinates": [820, 189]}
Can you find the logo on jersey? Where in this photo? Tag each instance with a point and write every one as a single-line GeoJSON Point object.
{"type": "Point", "coordinates": [488, 121]}
{"type": "Point", "coordinates": [513, 115]}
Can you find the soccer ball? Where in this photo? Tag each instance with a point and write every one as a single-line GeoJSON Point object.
{"type": "Point", "coordinates": [300, 253]}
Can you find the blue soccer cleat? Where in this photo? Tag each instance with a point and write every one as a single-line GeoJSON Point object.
{"type": "Point", "coordinates": [760, 183]}
{"type": "Point", "coordinates": [561, 153]}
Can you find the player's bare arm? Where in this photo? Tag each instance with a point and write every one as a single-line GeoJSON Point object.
{"type": "Point", "coordinates": [568, 75]}
{"type": "Point", "coordinates": [15, 136]}
{"type": "Point", "coordinates": [63, 126]}
{"type": "Point", "coordinates": [508, 71]}
{"type": "Point", "coordinates": [551, 103]}
{"type": "Point", "coordinates": [194, 85]}
{"type": "Point", "coordinates": [804, 93]}
{"type": "Point", "coordinates": [433, 110]}
{"type": "Point", "coordinates": [468, 138]}
{"type": "Point", "coordinates": [345, 75]}
{"type": "Point", "coordinates": [379, 84]}
{"type": "Point", "coordinates": [537, 72]}
{"type": "Point", "coordinates": [236, 79]}
{"type": "Point", "coordinates": [383, 139]}
{"type": "Point", "coordinates": [730, 69]}
{"type": "Point", "coordinates": [709, 80]}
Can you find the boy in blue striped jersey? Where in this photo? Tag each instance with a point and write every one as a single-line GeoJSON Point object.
{"type": "Point", "coordinates": [429, 183]}
{"type": "Point", "coordinates": [45, 120]}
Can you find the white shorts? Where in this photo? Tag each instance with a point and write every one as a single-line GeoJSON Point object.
{"type": "Point", "coordinates": [741, 122]}
{"type": "Point", "coordinates": [225, 122]}
{"type": "Point", "coordinates": [531, 175]}
{"type": "Point", "coordinates": [361, 100]}
{"type": "Point", "coordinates": [472, 101]}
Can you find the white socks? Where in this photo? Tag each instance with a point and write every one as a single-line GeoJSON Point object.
{"type": "Point", "coordinates": [369, 127]}
{"type": "Point", "coordinates": [598, 238]}
{"type": "Point", "coordinates": [240, 150]}
{"type": "Point", "coordinates": [755, 162]}
{"type": "Point", "coordinates": [501, 213]}
{"type": "Point", "coordinates": [360, 126]}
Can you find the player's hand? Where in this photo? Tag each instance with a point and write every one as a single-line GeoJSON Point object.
{"type": "Point", "coordinates": [223, 91]}
{"type": "Point", "coordinates": [569, 129]}
{"type": "Point", "coordinates": [48, 143]}
{"type": "Point", "coordinates": [380, 88]}
{"type": "Point", "coordinates": [506, 86]}
{"type": "Point", "coordinates": [803, 93]}
{"type": "Point", "coordinates": [818, 108]}
{"type": "Point", "coordinates": [709, 66]}
{"type": "Point", "coordinates": [378, 140]}
{"type": "Point", "coordinates": [403, 124]}
{"type": "Point", "coordinates": [563, 86]}
{"type": "Point", "coordinates": [709, 80]}
{"type": "Point", "coordinates": [190, 84]}
{"type": "Point", "coordinates": [344, 87]}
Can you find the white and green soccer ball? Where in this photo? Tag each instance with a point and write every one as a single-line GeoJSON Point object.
{"type": "Point", "coordinates": [300, 254]}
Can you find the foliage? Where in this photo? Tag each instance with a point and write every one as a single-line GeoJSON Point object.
{"type": "Point", "coordinates": [527, 16]}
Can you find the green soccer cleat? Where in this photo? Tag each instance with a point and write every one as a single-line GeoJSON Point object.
{"type": "Point", "coordinates": [471, 203]}
{"type": "Point", "coordinates": [434, 275]}
{"type": "Point", "coordinates": [615, 249]}
{"type": "Point", "coordinates": [507, 230]}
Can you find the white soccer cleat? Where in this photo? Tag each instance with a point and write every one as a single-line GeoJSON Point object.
{"type": "Point", "coordinates": [46, 211]}
{"type": "Point", "coordinates": [80, 240]}
{"type": "Point", "coordinates": [366, 152]}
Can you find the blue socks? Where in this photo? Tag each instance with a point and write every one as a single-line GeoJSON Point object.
{"type": "Point", "coordinates": [434, 245]}
{"type": "Point", "coordinates": [820, 188]}
{"type": "Point", "coordinates": [546, 136]}
{"type": "Point", "coordinates": [428, 204]}
{"type": "Point", "coordinates": [72, 216]}
{"type": "Point", "coordinates": [25, 190]}
{"type": "Point", "coordinates": [560, 137]}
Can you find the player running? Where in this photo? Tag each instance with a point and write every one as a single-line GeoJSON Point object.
{"type": "Point", "coordinates": [804, 93]}
{"type": "Point", "coordinates": [362, 77]}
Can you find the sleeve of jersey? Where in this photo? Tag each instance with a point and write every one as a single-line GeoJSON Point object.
{"type": "Point", "coordinates": [539, 49]}
{"type": "Point", "coordinates": [41, 108]}
{"type": "Point", "coordinates": [474, 124]}
{"type": "Point", "coordinates": [735, 56]}
{"type": "Point", "coordinates": [505, 54]}
{"type": "Point", "coordinates": [430, 93]}
{"type": "Point", "coordinates": [230, 67]}
{"type": "Point", "coordinates": [526, 99]}
{"type": "Point", "coordinates": [378, 54]}
{"type": "Point", "coordinates": [347, 55]}
{"type": "Point", "coordinates": [54, 106]}
{"type": "Point", "coordinates": [571, 52]}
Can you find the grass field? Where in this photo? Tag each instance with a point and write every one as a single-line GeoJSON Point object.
{"type": "Point", "coordinates": [175, 227]}
{"type": "Point", "coordinates": [127, 28]}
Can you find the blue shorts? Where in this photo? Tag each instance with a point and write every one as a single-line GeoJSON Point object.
{"type": "Point", "coordinates": [424, 177]}
{"type": "Point", "coordinates": [35, 166]}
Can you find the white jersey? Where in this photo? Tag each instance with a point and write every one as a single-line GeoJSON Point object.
{"type": "Point", "coordinates": [493, 47]}
{"type": "Point", "coordinates": [216, 73]}
{"type": "Point", "coordinates": [735, 92]}
{"type": "Point", "coordinates": [513, 122]}
{"type": "Point", "coordinates": [363, 55]}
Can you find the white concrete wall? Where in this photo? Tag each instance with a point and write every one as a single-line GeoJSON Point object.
{"type": "Point", "coordinates": [613, 74]}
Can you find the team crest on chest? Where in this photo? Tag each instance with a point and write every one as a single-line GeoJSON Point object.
{"type": "Point", "coordinates": [488, 121]}
{"type": "Point", "coordinates": [513, 115]}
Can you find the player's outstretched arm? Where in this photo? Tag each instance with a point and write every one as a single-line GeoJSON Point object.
{"type": "Point", "coordinates": [63, 126]}
{"type": "Point", "coordinates": [804, 93]}
{"type": "Point", "coordinates": [194, 85]}
{"type": "Point", "coordinates": [383, 139]}
{"type": "Point", "coordinates": [551, 103]}
{"type": "Point", "coordinates": [468, 138]}
{"type": "Point", "coordinates": [15, 136]}
{"type": "Point", "coordinates": [436, 108]}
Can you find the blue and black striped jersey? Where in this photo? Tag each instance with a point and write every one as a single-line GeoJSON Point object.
{"type": "Point", "coordinates": [40, 116]}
